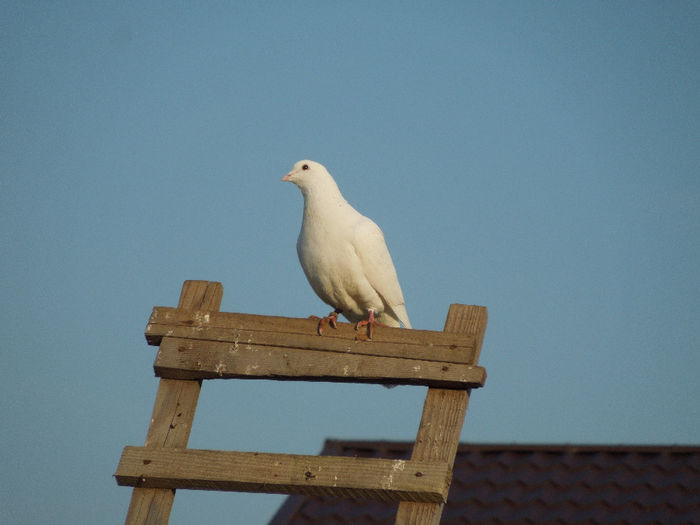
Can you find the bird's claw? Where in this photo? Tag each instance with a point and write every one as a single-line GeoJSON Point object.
{"type": "Point", "coordinates": [331, 319]}
{"type": "Point", "coordinates": [370, 324]}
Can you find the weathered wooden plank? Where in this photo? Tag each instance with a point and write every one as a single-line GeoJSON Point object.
{"type": "Point", "coordinates": [345, 477]}
{"type": "Point", "coordinates": [271, 323]}
{"type": "Point", "coordinates": [443, 416]}
{"type": "Point", "coordinates": [283, 332]}
{"type": "Point", "coordinates": [196, 359]}
{"type": "Point", "coordinates": [173, 413]}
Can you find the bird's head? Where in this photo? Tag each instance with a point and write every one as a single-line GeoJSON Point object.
{"type": "Point", "coordinates": [314, 181]}
{"type": "Point", "coordinates": [306, 173]}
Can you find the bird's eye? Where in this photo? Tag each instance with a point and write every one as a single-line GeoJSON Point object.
{"type": "Point", "coordinates": [305, 167]}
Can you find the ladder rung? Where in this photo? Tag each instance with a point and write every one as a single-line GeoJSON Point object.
{"type": "Point", "coordinates": [195, 359]}
{"type": "Point", "coordinates": [336, 476]}
{"type": "Point", "coordinates": [285, 332]}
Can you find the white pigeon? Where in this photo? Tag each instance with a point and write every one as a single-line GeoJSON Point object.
{"type": "Point", "coordinates": [344, 255]}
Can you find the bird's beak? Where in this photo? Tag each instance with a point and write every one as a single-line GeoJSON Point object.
{"type": "Point", "coordinates": [287, 177]}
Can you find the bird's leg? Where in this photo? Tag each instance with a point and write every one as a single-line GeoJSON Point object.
{"type": "Point", "coordinates": [331, 319]}
{"type": "Point", "coordinates": [370, 323]}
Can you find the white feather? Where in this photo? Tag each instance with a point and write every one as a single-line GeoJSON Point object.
{"type": "Point", "coordinates": [343, 253]}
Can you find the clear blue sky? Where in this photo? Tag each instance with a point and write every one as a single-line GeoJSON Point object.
{"type": "Point", "coordinates": [540, 159]}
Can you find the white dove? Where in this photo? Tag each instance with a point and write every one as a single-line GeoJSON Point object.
{"type": "Point", "coordinates": [344, 255]}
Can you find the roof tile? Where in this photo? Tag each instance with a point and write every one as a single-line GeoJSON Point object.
{"type": "Point", "coordinates": [550, 484]}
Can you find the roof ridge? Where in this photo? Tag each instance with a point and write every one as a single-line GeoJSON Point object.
{"type": "Point", "coordinates": [578, 447]}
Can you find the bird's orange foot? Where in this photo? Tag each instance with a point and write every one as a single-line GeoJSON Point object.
{"type": "Point", "coordinates": [331, 319]}
{"type": "Point", "coordinates": [370, 324]}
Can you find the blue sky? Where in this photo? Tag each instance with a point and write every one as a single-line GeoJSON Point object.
{"type": "Point", "coordinates": [540, 159]}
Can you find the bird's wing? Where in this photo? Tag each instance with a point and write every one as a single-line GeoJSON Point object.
{"type": "Point", "coordinates": [369, 244]}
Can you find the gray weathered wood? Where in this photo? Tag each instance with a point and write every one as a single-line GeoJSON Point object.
{"type": "Point", "coordinates": [443, 417]}
{"type": "Point", "coordinates": [287, 332]}
{"type": "Point", "coordinates": [198, 359]}
{"type": "Point", "coordinates": [173, 413]}
{"type": "Point", "coordinates": [343, 477]}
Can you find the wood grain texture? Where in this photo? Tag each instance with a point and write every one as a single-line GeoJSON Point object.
{"type": "Point", "coordinates": [198, 359]}
{"type": "Point", "coordinates": [288, 332]}
{"type": "Point", "coordinates": [343, 477]}
{"type": "Point", "coordinates": [443, 416]}
{"type": "Point", "coordinates": [173, 413]}
{"type": "Point", "coordinates": [198, 342]}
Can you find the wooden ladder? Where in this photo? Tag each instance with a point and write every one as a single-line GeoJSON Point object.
{"type": "Point", "coordinates": [199, 342]}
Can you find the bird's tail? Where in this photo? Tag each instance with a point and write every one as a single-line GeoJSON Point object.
{"type": "Point", "coordinates": [401, 315]}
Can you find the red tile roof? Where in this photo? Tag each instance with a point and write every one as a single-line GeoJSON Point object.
{"type": "Point", "coordinates": [498, 484]}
